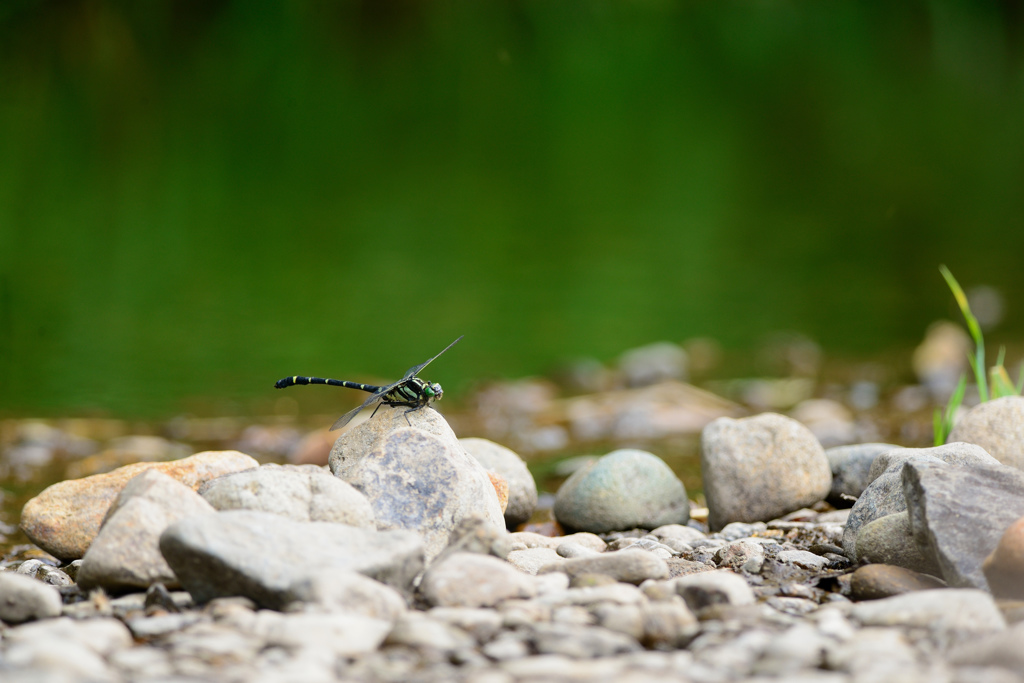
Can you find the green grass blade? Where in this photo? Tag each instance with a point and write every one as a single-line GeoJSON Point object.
{"type": "Point", "coordinates": [944, 425]}
{"type": "Point", "coordinates": [978, 362]}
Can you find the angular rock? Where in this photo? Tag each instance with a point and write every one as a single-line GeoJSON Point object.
{"type": "Point", "coordinates": [965, 610]}
{"type": "Point", "coordinates": [998, 427]}
{"type": "Point", "coordinates": [226, 554]}
{"type": "Point", "coordinates": [851, 469]}
{"type": "Point", "coordinates": [125, 554]}
{"type": "Point", "coordinates": [628, 566]}
{"type": "Point", "coordinates": [24, 599]}
{"type": "Point", "coordinates": [420, 481]}
{"type": "Point", "coordinates": [876, 581]}
{"type": "Point", "coordinates": [1004, 568]}
{"type": "Point", "coordinates": [959, 514]}
{"type": "Point", "coordinates": [760, 468]}
{"type": "Point", "coordinates": [622, 490]}
{"type": "Point", "coordinates": [884, 495]}
{"type": "Point", "coordinates": [471, 580]}
{"type": "Point", "coordinates": [889, 540]}
{"type": "Point", "coordinates": [522, 489]}
{"type": "Point", "coordinates": [304, 493]}
{"type": "Point", "coordinates": [65, 518]}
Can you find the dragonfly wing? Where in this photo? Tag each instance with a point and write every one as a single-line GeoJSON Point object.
{"type": "Point", "coordinates": [415, 370]}
{"type": "Point", "coordinates": [347, 417]}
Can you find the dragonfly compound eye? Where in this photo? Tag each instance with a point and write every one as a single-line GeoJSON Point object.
{"type": "Point", "coordinates": [438, 391]}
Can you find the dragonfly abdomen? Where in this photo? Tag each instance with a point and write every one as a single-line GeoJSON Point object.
{"type": "Point", "coordinates": [300, 380]}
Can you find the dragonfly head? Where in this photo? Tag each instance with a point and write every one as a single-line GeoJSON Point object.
{"type": "Point", "coordinates": [433, 391]}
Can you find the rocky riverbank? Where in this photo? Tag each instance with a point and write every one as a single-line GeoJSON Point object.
{"type": "Point", "coordinates": [394, 563]}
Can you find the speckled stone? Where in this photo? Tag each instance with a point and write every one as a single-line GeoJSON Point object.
{"type": "Point", "coordinates": [623, 490]}
{"type": "Point", "coordinates": [998, 427]}
{"type": "Point", "coordinates": [759, 468]}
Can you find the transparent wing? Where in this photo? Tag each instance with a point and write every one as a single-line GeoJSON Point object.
{"type": "Point", "coordinates": [347, 417]}
{"type": "Point", "coordinates": [415, 370]}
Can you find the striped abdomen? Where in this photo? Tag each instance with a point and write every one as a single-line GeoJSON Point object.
{"type": "Point", "coordinates": [298, 379]}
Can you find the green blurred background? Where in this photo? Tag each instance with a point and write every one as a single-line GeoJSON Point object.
{"type": "Point", "coordinates": [199, 197]}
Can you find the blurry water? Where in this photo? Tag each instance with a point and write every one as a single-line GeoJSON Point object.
{"type": "Point", "coordinates": [199, 198]}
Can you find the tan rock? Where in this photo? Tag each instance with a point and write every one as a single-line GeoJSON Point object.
{"type": "Point", "coordinates": [501, 488]}
{"type": "Point", "coordinates": [65, 518]}
{"type": "Point", "coordinates": [1004, 568]}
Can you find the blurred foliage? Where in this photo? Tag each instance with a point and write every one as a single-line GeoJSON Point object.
{"type": "Point", "coordinates": [198, 197]}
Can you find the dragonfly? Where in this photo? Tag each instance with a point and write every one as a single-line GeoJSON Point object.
{"type": "Point", "coordinates": [410, 391]}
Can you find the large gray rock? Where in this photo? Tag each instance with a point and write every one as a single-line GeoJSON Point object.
{"type": "Point", "coordinates": [959, 514]}
{"type": "Point", "coordinates": [998, 427]}
{"type": "Point", "coordinates": [263, 556]}
{"type": "Point", "coordinates": [416, 479]}
{"type": "Point", "coordinates": [884, 495]}
{"type": "Point", "coordinates": [126, 553]}
{"type": "Point", "coordinates": [889, 540]}
{"type": "Point", "coordinates": [25, 599]}
{"type": "Point", "coordinates": [851, 468]}
{"type": "Point", "coordinates": [472, 580]}
{"type": "Point", "coordinates": [759, 468]}
{"type": "Point", "coordinates": [522, 489]}
{"type": "Point", "coordinates": [304, 493]}
{"type": "Point", "coordinates": [623, 490]}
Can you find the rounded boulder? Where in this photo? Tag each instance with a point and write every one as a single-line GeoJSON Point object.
{"type": "Point", "coordinates": [623, 490]}
{"type": "Point", "coordinates": [762, 467]}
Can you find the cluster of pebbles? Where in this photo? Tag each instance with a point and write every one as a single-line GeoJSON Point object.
{"type": "Point", "coordinates": [395, 564]}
